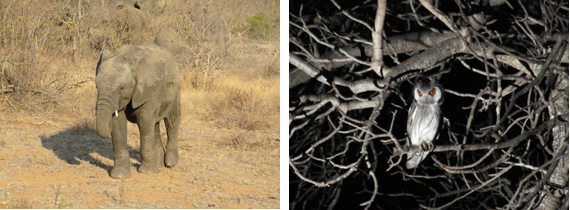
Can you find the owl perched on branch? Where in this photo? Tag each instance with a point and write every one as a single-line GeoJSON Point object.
{"type": "Point", "coordinates": [424, 119]}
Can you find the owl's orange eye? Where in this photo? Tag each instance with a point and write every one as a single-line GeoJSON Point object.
{"type": "Point", "coordinates": [432, 92]}
{"type": "Point", "coordinates": [419, 93]}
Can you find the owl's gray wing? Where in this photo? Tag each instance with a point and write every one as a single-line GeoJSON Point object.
{"type": "Point", "coordinates": [411, 115]}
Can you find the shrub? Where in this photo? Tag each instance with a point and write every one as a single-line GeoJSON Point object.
{"type": "Point", "coordinates": [260, 27]}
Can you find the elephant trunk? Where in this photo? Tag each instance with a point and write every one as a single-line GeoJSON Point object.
{"type": "Point", "coordinates": [104, 114]}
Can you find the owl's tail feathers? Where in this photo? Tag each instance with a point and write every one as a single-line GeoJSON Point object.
{"type": "Point", "coordinates": [414, 159]}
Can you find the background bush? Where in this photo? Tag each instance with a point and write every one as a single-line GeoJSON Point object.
{"type": "Point", "coordinates": [48, 48]}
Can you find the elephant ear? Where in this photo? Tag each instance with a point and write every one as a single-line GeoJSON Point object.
{"type": "Point", "coordinates": [147, 77]}
{"type": "Point", "coordinates": [106, 54]}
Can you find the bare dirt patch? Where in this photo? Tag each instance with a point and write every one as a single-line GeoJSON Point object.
{"type": "Point", "coordinates": [50, 162]}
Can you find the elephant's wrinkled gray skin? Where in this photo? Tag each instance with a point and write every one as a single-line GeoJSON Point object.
{"type": "Point", "coordinates": [130, 17]}
{"type": "Point", "coordinates": [140, 84]}
{"type": "Point", "coordinates": [167, 38]}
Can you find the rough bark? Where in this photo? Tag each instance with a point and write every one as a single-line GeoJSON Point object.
{"type": "Point", "coordinates": [557, 191]}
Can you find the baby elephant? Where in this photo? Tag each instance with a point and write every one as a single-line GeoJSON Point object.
{"type": "Point", "coordinates": [140, 84]}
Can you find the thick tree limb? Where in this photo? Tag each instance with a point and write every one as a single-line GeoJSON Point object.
{"type": "Point", "coordinates": [409, 42]}
{"type": "Point", "coordinates": [306, 67]}
{"type": "Point", "coordinates": [377, 61]}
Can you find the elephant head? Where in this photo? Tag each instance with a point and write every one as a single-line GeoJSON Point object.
{"type": "Point", "coordinates": [130, 19]}
{"type": "Point", "coordinates": [123, 78]}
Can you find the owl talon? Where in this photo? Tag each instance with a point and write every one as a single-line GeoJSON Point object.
{"type": "Point", "coordinates": [427, 146]}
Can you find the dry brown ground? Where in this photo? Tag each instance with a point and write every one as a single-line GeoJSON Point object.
{"type": "Point", "coordinates": [51, 162]}
{"type": "Point", "coordinates": [50, 154]}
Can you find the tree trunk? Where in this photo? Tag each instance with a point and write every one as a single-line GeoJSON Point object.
{"type": "Point", "coordinates": [552, 200]}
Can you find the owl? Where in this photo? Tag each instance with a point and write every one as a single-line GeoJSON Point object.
{"type": "Point", "coordinates": [424, 119]}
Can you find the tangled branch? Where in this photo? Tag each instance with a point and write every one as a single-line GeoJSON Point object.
{"type": "Point", "coordinates": [504, 65]}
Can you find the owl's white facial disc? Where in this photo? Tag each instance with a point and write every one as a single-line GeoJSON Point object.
{"type": "Point", "coordinates": [427, 93]}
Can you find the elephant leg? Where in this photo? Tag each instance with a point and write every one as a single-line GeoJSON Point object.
{"type": "Point", "coordinates": [148, 147]}
{"type": "Point", "coordinates": [172, 123]}
{"type": "Point", "coordinates": [121, 169]}
{"type": "Point", "coordinates": [159, 146]}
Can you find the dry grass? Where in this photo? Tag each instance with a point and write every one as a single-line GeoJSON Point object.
{"type": "Point", "coordinates": [50, 48]}
{"type": "Point", "coordinates": [229, 94]}
{"type": "Point", "coordinates": [245, 104]}
{"type": "Point", "coordinates": [17, 204]}
{"type": "Point", "coordinates": [62, 42]}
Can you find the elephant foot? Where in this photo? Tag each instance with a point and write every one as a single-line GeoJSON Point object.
{"type": "Point", "coordinates": [120, 173]}
{"type": "Point", "coordinates": [161, 160]}
{"type": "Point", "coordinates": [171, 159]}
{"type": "Point", "coordinates": [146, 169]}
